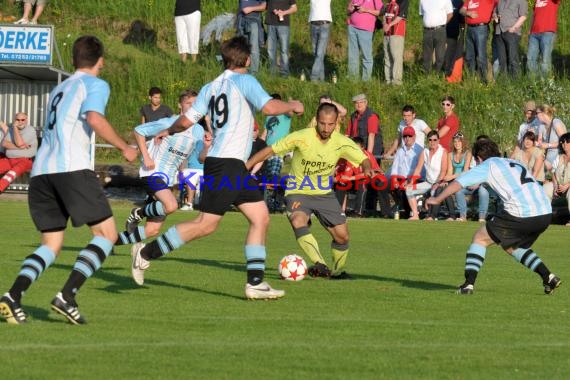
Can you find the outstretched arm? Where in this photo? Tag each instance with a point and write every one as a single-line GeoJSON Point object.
{"type": "Point", "coordinates": [260, 156]}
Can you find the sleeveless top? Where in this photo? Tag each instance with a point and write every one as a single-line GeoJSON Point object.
{"type": "Point", "coordinates": [458, 166]}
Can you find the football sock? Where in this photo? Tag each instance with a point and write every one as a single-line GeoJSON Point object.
{"type": "Point", "coordinates": [474, 261]}
{"type": "Point", "coordinates": [33, 265]}
{"type": "Point", "coordinates": [7, 180]}
{"type": "Point", "coordinates": [529, 259]}
{"type": "Point", "coordinates": [308, 244]}
{"type": "Point", "coordinates": [165, 243]}
{"type": "Point", "coordinates": [255, 263]}
{"type": "Point", "coordinates": [88, 262]}
{"type": "Point", "coordinates": [155, 208]}
{"type": "Point", "coordinates": [135, 237]}
{"type": "Point", "coordinates": [339, 254]}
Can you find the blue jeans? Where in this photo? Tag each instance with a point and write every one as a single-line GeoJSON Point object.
{"type": "Point", "coordinates": [278, 34]}
{"type": "Point", "coordinates": [320, 40]}
{"type": "Point", "coordinates": [483, 201]}
{"type": "Point", "coordinates": [360, 41]}
{"type": "Point", "coordinates": [251, 30]}
{"type": "Point", "coordinates": [540, 43]}
{"type": "Point", "coordinates": [476, 49]}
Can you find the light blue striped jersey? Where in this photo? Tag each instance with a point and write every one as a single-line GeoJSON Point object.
{"type": "Point", "coordinates": [231, 101]}
{"type": "Point", "coordinates": [172, 151]}
{"type": "Point", "coordinates": [521, 194]}
{"type": "Point", "coordinates": [66, 142]}
{"type": "Point", "coordinates": [193, 159]}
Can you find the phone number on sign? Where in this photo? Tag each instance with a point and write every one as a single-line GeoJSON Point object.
{"type": "Point", "coordinates": [25, 57]}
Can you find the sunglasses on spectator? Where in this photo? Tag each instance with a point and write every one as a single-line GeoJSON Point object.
{"type": "Point", "coordinates": [408, 136]}
{"type": "Point", "coordinates": [446, 104]}
{"type": "Point", "coordinates": [20, 119]}
{"type": "Point", "coordinates": [432, 139]}
{"type": "Point", "coordinates": [458, 135]}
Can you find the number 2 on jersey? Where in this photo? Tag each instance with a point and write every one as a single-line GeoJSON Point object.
{"type": "Point", "coordinates": [219, 110]}
{"type": "Point", "coordinates": [524, 178]}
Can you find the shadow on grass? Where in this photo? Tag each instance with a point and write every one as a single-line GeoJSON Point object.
{"type": "Point", "coordinates": [43, 314]}
{"type": "Point", "coordinates": [416, 284]}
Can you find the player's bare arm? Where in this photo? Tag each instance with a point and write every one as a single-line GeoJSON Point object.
{"type": "Point", "coordinates": [260, 156]}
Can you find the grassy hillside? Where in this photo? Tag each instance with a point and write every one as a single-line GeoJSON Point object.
{"type": "Point", "coordinates": [494, 109]}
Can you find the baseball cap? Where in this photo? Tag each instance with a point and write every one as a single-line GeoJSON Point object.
{"type": "Point", "coordinates": [409, 131]}
{"type": "Point", "coordinates": [530, 106]}
{"type": "Point", "coordinates": [359, 97]}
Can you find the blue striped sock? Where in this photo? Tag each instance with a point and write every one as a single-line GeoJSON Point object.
{"type": "Point", "coordinates": [36, 263]}
{"type": "Point", "coordinates": [92, 256]}
{"type": "Point", "coordinates": [154, 209]}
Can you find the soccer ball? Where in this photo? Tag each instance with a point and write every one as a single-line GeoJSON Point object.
{"type": "Point", "coordinates": [292, 268]}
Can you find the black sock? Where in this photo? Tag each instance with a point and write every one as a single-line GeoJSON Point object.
{"type": "Point", "coordinates": [254, 276]}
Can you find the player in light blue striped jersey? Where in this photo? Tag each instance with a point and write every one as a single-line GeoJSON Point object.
{"type": "Point", "coordinates": [158, 172]}
{"type": "Point", "coordinates": [64, 186]}
{"type": "Point", "coordinates": [527, 213]}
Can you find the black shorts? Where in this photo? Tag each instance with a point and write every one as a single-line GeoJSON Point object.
{"type": "Point", "coordinates": [226, 181]}
{"type": "Point", "coordinates": [325, 207]}
{"type": "Point", "coordinates": [511, 232]}
{"type": "Point", "coordinates": [54, 198]}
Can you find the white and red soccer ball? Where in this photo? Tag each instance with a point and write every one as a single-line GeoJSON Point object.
{"type": "Point", "coordinates": [292, 268]}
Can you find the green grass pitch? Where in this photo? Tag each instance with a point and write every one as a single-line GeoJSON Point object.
{"type": "Point", "coordinates": [399, 319]}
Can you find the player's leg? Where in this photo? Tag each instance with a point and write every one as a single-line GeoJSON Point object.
{"type": "Point", "coordinates": [521, 249]}
{"type": "Point", "coordinates": [257, 215]}
{"type": "Point", "coordinates": [162, 203]}
{"type": "Point", "coordinates": [50, 218]}
{"type": "Point", "coordinates": [32, 267]}
{"type": "Point", "coordinates": [339, 250]}
{"type": "Point", "coordinates": [474, 259]}
{"type": "Point", "coordinates": [299, 215]}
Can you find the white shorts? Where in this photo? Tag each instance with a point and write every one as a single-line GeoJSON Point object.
{"type": "Point", "coordinates": [188, 32]}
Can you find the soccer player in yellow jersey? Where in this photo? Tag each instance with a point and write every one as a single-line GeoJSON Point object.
{"type": "Point", "coordinates": [309, 188]}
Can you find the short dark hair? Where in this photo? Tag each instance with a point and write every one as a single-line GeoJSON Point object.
{"type": "Point", "coordinates": [235, 52]}
{"type": "Point", "coordinates": [408, 108]}
{"type": "Point", "coordinates": [327, 108]}
{"type": "Point", "coordinates": [449, 99]}
{"type": "Point", "coordinates": [154, 90]}
{"type": "Point", "coordinates": [86, 52]}
{"type": "Point", "coordinates": [485, 148]}
{"type": "Point", "coordinates": [433, 133]}
{"type": "Point", "coordinates": [529, 135]}
{"type": "Point", "coordinates": [565, 138]}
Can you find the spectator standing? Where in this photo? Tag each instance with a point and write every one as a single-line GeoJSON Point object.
{"type": "Point", "coordinates": [320, 19]}
{"type": "Point", "coordinates": [478, 15]}
{"type": "Point", "coordinates": [531, 123]}
{"type": "Point", "coordinates": [394, 25]}
{"type": "Point", "coordinates": [28, 4]}
{"type": "Point", "coordinates": [249, 24]}
{"type": "Point", "coordinates": [455, 34]}
{"type": "Point", "coordinates": [154, 110]}
{"type": "Point", "coordinates": [435, 16]}
{"type": "Point", "coordinates": [543, 30]}
{"type": "Point", "coordinates": [187, 17]}
{"type": "Point", "coordinates": [510, 15]}
{"type": "Point", "coordinates": [362, 16]}
{"type": "Point", "coordinates": [20, 145]}
{"type": "Point", "coordinates": [449, 123]}
{"type": "Point", "coordinates": [554, 128]}
{"type": "Point", "coordinates": [278, 19]}
{"type": "Point", "coordinates": [409, 120]}
{"type": "Point", "coordinates": [365, 123]}
{"type": "Point", "coordinates": [63, 186]}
